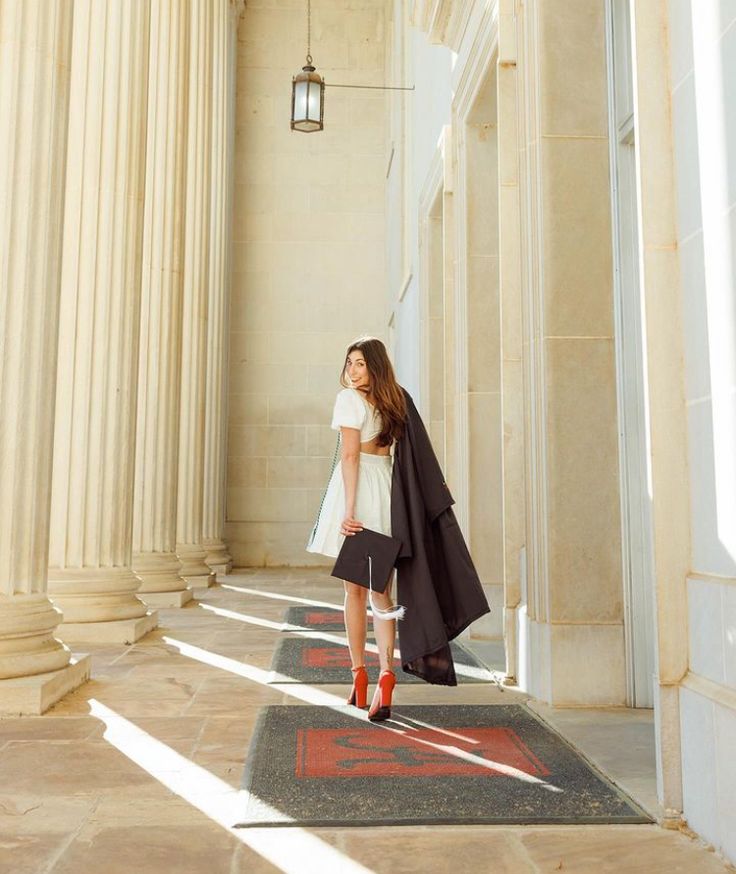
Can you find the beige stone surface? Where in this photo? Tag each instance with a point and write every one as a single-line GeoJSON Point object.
{"type": "Point", "coordinates": [573, 68]}
{"type": "Point", "coordinates": [77, 797]}
{"type": "Point", "coordinates": [510, 272]}
{"type": "Point", "coordinates": [33, 695]}
{"type": "Point", "coordinates": [166, 599]}
{"type": "Point", "coordinates": [481, 144]}
{"type": "Point", "coordinates": [111, 631]}
{"type": "Point", "coordinates": [265, 543]}
{"type": "Point", "coordinates": [483, 337]}
{"type": "Point", "coordinates": [587, 665]}
{"type": "Point", "coordinates": [578, 272]}
{"type": "Point", "coordinates": [485, 486]}
{"type": "Point", "coordinates": [513, 477]}
{"type": "Point", "coordinates": [584, 539]}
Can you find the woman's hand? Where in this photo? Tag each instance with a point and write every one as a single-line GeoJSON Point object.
{"type": "Point", "coordinates": [350, 526]}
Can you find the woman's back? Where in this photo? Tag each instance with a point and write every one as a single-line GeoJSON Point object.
{"type": "Point", "coordinates": [352, 406]}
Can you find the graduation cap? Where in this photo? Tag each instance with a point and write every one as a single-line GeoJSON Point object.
{"type": "Point", "coordinates": [367, 559]}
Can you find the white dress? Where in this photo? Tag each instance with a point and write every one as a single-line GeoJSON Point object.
{"type": "Point", "coordinates": [373, 494]}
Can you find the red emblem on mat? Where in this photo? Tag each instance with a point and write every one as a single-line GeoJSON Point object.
{"type": "Point", "coordinates": [322, 617]}
{"type": "Point", "coordinates": [332, 657]}
{"type": "Point", "coordinates": [423, 752]}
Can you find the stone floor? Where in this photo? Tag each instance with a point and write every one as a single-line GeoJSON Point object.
{"type": "Point", "coordinates": [138, 771]}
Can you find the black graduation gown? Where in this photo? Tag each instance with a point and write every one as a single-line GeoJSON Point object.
{"type": "Point", "coordinates": [437, 581]}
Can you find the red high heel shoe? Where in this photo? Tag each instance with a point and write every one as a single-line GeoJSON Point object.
{"type": "Point", "coordinates": [359, 692]}
{"type": "Point", "coordinates": [381, 705]}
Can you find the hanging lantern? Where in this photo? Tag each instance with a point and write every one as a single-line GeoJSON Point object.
{"type": "Point", "coordinates": [308, 90]}
{"type": "Point", "coordinates": [307, 99]}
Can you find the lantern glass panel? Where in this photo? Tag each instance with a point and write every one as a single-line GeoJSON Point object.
{"type": "Point", "coordinates": [300, 100]}
{"type": "Point", "coordinates": [314, 100]}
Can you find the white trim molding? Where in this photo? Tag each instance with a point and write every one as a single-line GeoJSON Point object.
{"type": "Point", "coordinates": [445, 21]}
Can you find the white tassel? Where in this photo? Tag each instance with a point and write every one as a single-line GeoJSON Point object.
{"type": "Point", "coordinates": [395, 612]}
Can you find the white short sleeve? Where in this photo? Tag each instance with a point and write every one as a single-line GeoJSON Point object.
{"type": "Point", "coordinates": [349, 412]}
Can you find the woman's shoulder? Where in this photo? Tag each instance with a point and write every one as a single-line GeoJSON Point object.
{"type": "Point", "coordinates": [350, 399]}
{"type": "Point", "coordinates": [349, 410]}
{"type": "Point", "coordinates": [350, 395]}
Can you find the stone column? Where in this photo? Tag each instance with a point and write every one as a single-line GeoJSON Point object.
{"type": "Point", "coordinates": [35, 45]}
{"type": "Point", "coordinates": [227, 13]}
{"type": "Point", "coordinates": [90, 576]}
{"type": "Point", "coordinates": [512, 377]}
{"type": "Point", "coordinates": [190, 547]}
{"type": "Point", "coordinates": [571, 616]}
{"type": "Point", "coordinates": [480, 421]}
{"type": "Point", "coordinates": [157, 440]}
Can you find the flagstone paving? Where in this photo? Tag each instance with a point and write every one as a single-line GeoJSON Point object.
{"type": "Point", "coordinates": [139, 770]}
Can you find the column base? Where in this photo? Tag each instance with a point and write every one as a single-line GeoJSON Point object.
{"type": "Point", "coordinates": [28, 645]}
{"type": "Point", "coordinates": [161, 585]}
{"type": "Point", "coordinates": [166, 599]}
{"type": "Point", "coordinates": [559, 662]}
{"type": "Point", "coordinates": [194, 571]}
{"type": "Point", "coordinates": [117, 631]}
{"type": "Point", "coordinates": [218, 558]}
{"type": "Point", "coordinates": [96, 595]}
{"type": "Point", "coordinates": [201, 581]}
{"type": "Point", "coordinates": [32, 696]}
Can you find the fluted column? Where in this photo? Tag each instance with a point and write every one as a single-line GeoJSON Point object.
{"type": "Point", "coordinates": [157, 441]}
{"type": "Point", "coordinates": [227, 14]}
{"type": "Point", "coordinates": [190, 547]}
{"type": "Point", "coordinates": [90, 574]}
{"type": "Point", "coordinates": [35, 45]}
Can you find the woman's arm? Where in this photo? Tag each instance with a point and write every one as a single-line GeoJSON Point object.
{"type": "Point", "coordinates": [350, 459]}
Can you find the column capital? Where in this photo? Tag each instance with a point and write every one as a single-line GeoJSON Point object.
{"type": "Point", "coordinates": [443, 20]}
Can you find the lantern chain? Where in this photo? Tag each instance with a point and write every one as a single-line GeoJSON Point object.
{"type": "Point", "coordinates": [309, 32]}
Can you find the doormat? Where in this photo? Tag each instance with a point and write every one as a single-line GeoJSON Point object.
{"type": "Point", "coordinates": [427, 765]}
{"type": "Point", "coordinates": [317, 619]}
{"type": "Point", "coordinates": [317, 661]}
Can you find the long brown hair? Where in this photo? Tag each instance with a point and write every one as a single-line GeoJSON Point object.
{"type": "Point", "coordinates": [388, 396]}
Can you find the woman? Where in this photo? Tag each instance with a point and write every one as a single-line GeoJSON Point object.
{"type": "Point", "coordinates": [369, 413]}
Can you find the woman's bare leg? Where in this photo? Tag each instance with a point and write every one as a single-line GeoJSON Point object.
{"type": "Point", "coordinates": [385, 630]}
{"type": "Point", "coordinates": [356, 620]}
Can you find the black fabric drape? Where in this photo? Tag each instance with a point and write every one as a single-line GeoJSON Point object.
{"type": "Point", "coordinates": [437, 581]}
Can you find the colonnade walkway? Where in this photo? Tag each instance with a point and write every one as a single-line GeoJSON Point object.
{"type": "Point", "coordinates": [141, 769]}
